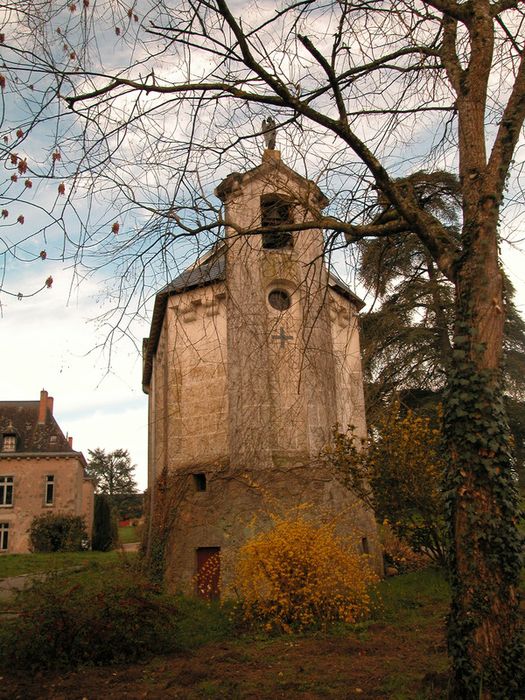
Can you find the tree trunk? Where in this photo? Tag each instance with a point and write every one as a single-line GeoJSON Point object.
{"type": "Point", "coordinates": [481, 496]}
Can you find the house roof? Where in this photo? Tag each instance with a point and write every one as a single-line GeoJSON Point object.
{"type": "Point", "coordinates": [337, 284]}
{"type": "Point", "coordinates": [34, 438]}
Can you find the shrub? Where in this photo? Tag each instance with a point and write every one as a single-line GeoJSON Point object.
{"type": "Point", "coordinates": [57, 532]}
{"type": "Point", "coordinates": [108, 621]}
{"type": "Point", "coordinates": [102, 524]}
{"type": "Point", "coordinates": [398, 473]}
{"type": "Point", "coordinates": [301, 575]}
{"type": "Point", "coordinates": [399, 554]}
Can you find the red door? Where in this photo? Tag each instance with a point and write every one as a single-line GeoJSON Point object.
{"type": "Point", "coordinates": [208, 572]}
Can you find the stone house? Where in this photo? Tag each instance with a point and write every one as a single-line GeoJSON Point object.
{"type": "Point", "coordinates": [253, 357]}
{"type": "Point", "coordinates": [40, 472]}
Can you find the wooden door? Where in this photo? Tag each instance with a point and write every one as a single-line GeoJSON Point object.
{"type": "Point", "coordinates": [208, 572]}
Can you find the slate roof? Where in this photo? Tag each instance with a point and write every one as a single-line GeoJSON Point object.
{"type": "Point", "coordinates": [211, 270]}
{"type": "Point", "coordinates": [33, 438]}
{"type": "Point", "coordinates": [337, 284]}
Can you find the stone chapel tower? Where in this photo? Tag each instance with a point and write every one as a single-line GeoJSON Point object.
{"type": "Point", "coordinates": [253, 357]}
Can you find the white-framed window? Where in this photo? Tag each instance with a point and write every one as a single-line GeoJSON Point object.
{"type": "Point", "coordinates": [6, 491]}
{"type": "Point", "coordinates": [4, 537]}
{"type": "Point", "coordinates": [49, 496]}
{"type": "Point", "coordinates": [9, 443]}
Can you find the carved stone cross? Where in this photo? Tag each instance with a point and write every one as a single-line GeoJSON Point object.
{"type": "Point", "coordinates": [282, 337]}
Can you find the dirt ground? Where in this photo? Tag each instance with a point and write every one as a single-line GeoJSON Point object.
{"type": "Point", "coordinates": [379, 662]}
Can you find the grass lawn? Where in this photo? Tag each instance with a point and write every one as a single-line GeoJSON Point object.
{"type": "Point", "coordinates": [399, 654]}
{"type": "Point", "coordinates": [129, 534]}
{"type": "Point", "coordinates": [19, 564]}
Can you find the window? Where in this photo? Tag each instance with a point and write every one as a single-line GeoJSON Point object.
{"type": "Point", "coordinates": [50, 490]}
{"type": "Point", "coordinates": [279, 299]}
{"type": "Point", "coordinates": [276, 211]}
{"type": "Point", "coordinates": [199, 481]}
{"type": "Point", "coordinates": [9, 444]}
{"type": "Point", "coordinates": [4, 537]}
{"type": "Point", "coordinates": [364, 545]}
{"type": "Point", "coordinates": [6, 490]}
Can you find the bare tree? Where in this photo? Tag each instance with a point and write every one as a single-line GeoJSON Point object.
{"type": "Point", "coordinates": [163, 97]}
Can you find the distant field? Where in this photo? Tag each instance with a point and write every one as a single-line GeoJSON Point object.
{"type": "Point", "coordinates": [129, 534]}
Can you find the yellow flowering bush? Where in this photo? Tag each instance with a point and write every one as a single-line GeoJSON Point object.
{"type": "Point", "coordinates": [300, 575]}
{"type": "Point", "coordinates": [397, 471]}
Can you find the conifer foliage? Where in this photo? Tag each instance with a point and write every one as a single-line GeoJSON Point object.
{"type": "Point", "coordinates": [103, 525]}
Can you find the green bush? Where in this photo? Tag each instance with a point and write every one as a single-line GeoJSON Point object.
{"type": "Point", "coordinates": [57, 532]}
{"type": "Point", "coordinates": [103, 525]}
{"type": "Point", "coordinates": [121, 618]}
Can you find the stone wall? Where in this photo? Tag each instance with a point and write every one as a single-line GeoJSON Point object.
{"type": "Point", "coordinates": [281, 374]}
{"type": "Point", "coordinates": [196, 371]}
{"type": "Point", "coordinates": [350, 400]}
{"type": "Point", "coordinates": [72, 494]}
{"type": "Point", "coordinates": [243, 396]}
{"type": "Point", "coordinates": [237, 505]}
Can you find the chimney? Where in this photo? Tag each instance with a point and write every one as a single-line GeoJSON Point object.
{"type": "Point", "coordinates": [42, 408]}
{"type": "Point", "coordinates": [70, 441]}
{"type": "Point", "coordinates": [50, 404]}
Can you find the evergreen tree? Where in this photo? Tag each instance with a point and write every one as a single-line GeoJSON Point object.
{"type": "Point", "coordinates": [112, 472]}
{"type": "Point", "coordinates": [103, 529]}
{"type": "Point", "coordinates": [407, 341]}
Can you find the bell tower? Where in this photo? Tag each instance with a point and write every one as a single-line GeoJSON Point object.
{"type": "Point", "coordinates": [281, 369]}
{"type": "Point", "coordinates": [253, 357]}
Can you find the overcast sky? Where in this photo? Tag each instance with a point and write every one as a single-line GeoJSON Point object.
{"type": "Point", "coordinates": [47, 343]}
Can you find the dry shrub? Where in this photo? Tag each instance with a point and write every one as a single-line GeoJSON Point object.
{"type": "Point", "coordinates": [66, 622]}
{"type": "Point", "coordinates": [399, 554]}
{"type": "Point", "coordinates": [301, 575]}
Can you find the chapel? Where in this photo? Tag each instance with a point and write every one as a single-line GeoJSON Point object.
{"type": "Point", "coordinates": [253, 357]}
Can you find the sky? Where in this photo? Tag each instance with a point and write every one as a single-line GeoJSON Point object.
{"type": "Point", "coordinates": [48, 341]}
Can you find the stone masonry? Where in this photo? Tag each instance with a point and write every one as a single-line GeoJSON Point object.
{"type": "Point", "coordinates": [253, 357]}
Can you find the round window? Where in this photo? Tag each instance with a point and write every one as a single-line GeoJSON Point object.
{"type": "Point", "coordinates": [279, 299]}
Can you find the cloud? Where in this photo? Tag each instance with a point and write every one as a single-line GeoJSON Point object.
{"type": "Point", "coordinates": [48, 343]}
